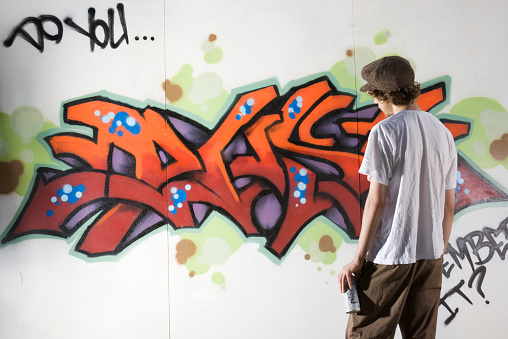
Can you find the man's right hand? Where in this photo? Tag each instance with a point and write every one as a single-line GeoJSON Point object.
{"type": "Point", "coordinates": [354, 267]}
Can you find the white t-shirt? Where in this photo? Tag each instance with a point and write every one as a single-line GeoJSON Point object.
{"type": "Point", "coordinates": [413, 154]}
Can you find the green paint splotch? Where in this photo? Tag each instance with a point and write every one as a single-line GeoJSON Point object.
{"type": "Point", "coordinates": [219, 279]}
{"type": "Point", "coordinates": [321, 243]}
{"type": "Point", "coordinates": [212, 246]}
{"type": "Point", "coordinates": [20, 150]}
{"type": "Point", "coordinates": [487, 144]}
{"type": "Point", "coordinates": [381, 38]}
{"type": "Point", "coordinates": [203, 95]}
{"type": "Point", "coordinates": [212, 53]}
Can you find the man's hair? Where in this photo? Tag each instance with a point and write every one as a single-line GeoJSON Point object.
{"type": "Point", "coordinates": [400, 97]}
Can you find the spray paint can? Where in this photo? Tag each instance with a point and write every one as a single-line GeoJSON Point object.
{"type": "Point", "coordinates": [351, 298]}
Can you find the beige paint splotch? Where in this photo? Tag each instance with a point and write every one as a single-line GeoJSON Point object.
{"type": "Point", "coordinates": [215, 252]}
{"type": "Point", "coordinates": [27, 121]}
{"type": "Point", "coordinates": [207, 85]}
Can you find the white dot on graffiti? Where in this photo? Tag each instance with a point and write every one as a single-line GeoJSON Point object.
{"type": "Point", "coordinates": [119, 123]}
{"type": "Point", "coordinates": [105, 119]}
{"type": "Point", "coordinates": [302, 186]}
{"type": "Point", "coordinates": [175, 196]}
{"type": "Point", "coordinates": [204, 108]}
{"type": "Point", "coordinates": [297, 194]}
{"type": "Point", "coordinates": [111, 115]}
{"type": "Point", "coordinates": [291, 110]}
{"type": "Point", "coordinates": [299, 104]}
{"type": "Point", "coordinates": [173, 190]}
{"type": "Point", "coordinates": [187, 187]}
{"type": "Point", "coordinates": [242, 109]}
{"type": "Point", "coordinates": [97, 113]}
{"type": "Point", "coordinates": [171, 208]}
{"type": "Point", "coordinates": [299, 99]}
{"type": "Point", "coordinates": [67, 188]}
{"type": "Point", "coordinates": [53, 199]}
{"type": "Point", "coordinates": [303, 201]}
{"type": "Point", "coordinates": [79, 194]}
{"type": "Point", "coordinates": [303, 172]}
{"type": "Point", "coordinates": [250, 102]}
{"type": "Point", "coordinates": [64, 197]}
{"type": "Point", "coordinates": [131, 121]}
{"type": "Point", "coordinates": [179, 205]}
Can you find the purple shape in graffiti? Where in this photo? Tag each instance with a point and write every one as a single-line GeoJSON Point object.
{"type": "Point", "coordinates": [147, 222]}
{"type": "Point", "coordinates": [122, 162]}
{"type": "Point", "coordinates": [82, 215]}
{"type": "Point", "coordinates": [189, 132]}
{"type": "Point", "coordinates": [267, 211]}
{"type": "Point", "coordinates": [200, 211]}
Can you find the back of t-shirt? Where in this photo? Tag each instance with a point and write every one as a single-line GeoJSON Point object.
{"type": "Point", "coordinates": [413, 154]}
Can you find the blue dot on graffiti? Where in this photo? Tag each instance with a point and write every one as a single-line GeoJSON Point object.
{"type": "Point", "coordinates": [121, 119]}
{"type": "Point", "coordinates": [179, 197]}
{"type": "Point", "coordinates": [302, 178]}
{"type": "Point", "coordinates": [49, 213]}
{"type": "Point", "coordinates": [245, 109]}
{"type": "Point", "coordinates": [70, 193]}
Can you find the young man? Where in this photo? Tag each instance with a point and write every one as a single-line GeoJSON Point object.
{"type": "Point", "coordinates": [411, 163]}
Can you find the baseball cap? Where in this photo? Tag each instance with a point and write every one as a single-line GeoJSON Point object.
{"type": "Point", "coordinates": [388, 74]}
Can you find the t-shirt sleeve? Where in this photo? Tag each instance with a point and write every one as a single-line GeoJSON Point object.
{"type": "Point", "coordinates": [451, 174]}
{"type": "Point", "coordinates": [378, 159]}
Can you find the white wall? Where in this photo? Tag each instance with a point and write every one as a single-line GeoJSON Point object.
{"type": "Point", "coordinates": [237, 288]}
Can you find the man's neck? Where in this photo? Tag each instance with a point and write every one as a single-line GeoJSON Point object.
{"type": "Point", "coordinates": [410, 107]}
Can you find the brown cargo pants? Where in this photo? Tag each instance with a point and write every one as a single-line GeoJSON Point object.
{"type": "Point", "coordinates": [391, 295]}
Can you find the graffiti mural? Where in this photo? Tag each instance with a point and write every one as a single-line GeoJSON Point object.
{"type": "Point", "coordinates": [271, 165]}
